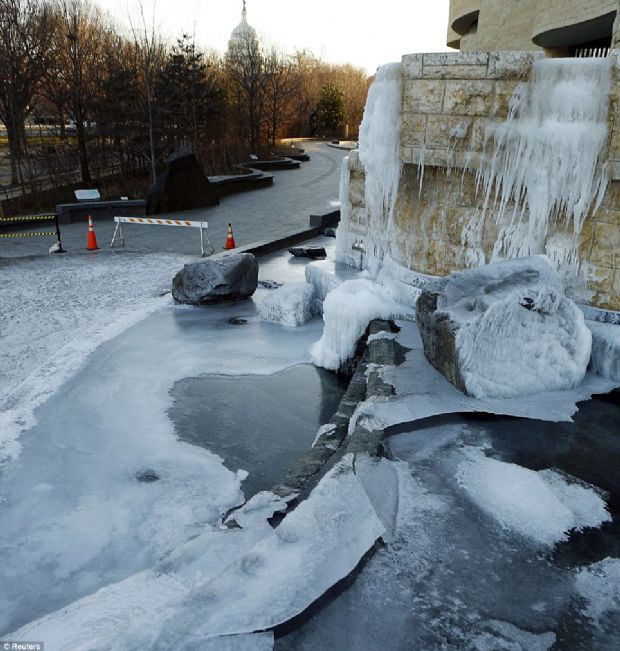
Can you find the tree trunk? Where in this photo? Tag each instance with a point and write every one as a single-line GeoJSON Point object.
{"type": "Point", "coordinates": [83, 151]}
{"type": "Point", "coordinates": [15, 134]}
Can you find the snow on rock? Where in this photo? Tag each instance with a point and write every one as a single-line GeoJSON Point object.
{"type": "Point", "coordinates": [605, 358]}
{"type": "Point", "coordinates": [347, 311]}
{"type": "Point", "coordinates": [547, 157]}
{"type": "Point", "coordinates": [599, 586]}
{"type": "Point", "coordinates": [290, 305]}
{"type": "Point", "coordinates": [505, 330]}
{"type": "Point", "coordinates": [541, 505]}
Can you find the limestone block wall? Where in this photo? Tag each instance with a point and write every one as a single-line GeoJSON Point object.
{"type": "Point", "coordinates": [438, 225]}
{"type": "Point", "coordinates": [525, 24]}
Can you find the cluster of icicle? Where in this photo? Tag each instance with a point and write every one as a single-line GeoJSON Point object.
{"type": "Point", "coordinates": [379, 153]}
{"type": "Point", "coordinates": [546, 167]}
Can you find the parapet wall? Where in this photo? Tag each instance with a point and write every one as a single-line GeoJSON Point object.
{"type": "Point", "coordinates": [448, 101]}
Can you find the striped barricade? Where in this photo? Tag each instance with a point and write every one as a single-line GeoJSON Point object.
{"type": "Point", "coordinates": [27, 219]}
{"type": "Point", "coordinates": [148, 221]}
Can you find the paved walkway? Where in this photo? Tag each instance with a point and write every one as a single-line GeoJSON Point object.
{"type": "Point", "coordinates": [264, 214]}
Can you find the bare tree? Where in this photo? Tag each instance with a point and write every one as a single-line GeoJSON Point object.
{"type": "Point", "coordinates": [76, 78]}
{"type": "Point", "coordinates": [25, 33]}
{"type": "Point", "coordinates": [281, 85]}
{"type": "Point", "coordinates": [149, 53]}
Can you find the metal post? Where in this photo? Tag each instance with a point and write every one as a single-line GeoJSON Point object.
{"type": "Point", "coordinates": [57, 224]}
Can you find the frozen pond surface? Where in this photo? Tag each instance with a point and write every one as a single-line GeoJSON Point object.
{"type": "Point", "coordinates": [453, 578]}
{"type": "Point", "coordinates": [261, 424]}
{"type": "Point", "coordinates": [103, 488]}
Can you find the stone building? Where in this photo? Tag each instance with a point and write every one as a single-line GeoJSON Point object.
{"type": "Point", "coordinates": [450, 212]}
{"type": "Point", "coordinates": [560, 27]}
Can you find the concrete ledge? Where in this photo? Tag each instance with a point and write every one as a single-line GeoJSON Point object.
{"type": "Point", "coordinates": [70, 213]}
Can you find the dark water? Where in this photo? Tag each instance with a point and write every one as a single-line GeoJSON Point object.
{"type": "Point", "coordinates": [261, 424]}
{"type": "Point", "coordinates": [588, 448]}
{"type": "Point", "coordinates": [448, 575]}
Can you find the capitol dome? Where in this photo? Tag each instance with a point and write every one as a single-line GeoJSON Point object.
{"type": "Point", "coordinates": [243, 36]}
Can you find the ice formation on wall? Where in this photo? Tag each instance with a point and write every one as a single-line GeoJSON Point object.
{"type": "Point", "coordinates": [546, 164]}
{"type": "Point", "coordinates": [344, 237]}
{"type": "Point", "coordinates": [379, 153]}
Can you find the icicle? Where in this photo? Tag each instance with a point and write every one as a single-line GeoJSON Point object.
{"type": "Point", "coordinates": [379, 153]}
{"type": "Point", "coordinates": [547, 156]}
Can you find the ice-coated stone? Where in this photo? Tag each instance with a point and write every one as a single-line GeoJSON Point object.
{"type": "Point", "coordinates": [505, 330]}
{"type": "Point", "coordinates": [290, 305]}
{"type": "Point", "coordinates": [232, 277]}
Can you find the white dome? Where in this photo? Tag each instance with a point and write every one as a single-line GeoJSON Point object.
{"type": "Point", "coordinates": [242, 34]}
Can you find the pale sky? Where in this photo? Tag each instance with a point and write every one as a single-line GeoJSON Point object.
{"type": "Point", "coordinates": [366, 33]}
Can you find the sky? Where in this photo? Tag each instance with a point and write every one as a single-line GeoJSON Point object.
{"type": "Point", "coordinates": [366, 33]}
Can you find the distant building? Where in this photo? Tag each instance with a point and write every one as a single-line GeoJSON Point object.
{"type": "Point", "coordinates": [560, 27]}
{"type": "Point", "coordinates": [243, 39]}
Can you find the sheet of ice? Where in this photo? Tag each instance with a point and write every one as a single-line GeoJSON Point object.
{"type": "Point", "coordinates": [128, 614]}
{"type": "Point", "coordinates": [257, 510]}
{"type": "Point", "coordinates": [91, 441]}
{"type": "Point", "coordinates": [546, 166]}
{"type": "Point", "coordinates": [379, 153]}
{"type": "Point", "coordinates": [314, 547]}
{"type": "Point", "coordinates": [542, 505]}
{"type": "Point", "coordinates": [422, 391]}
{"type": "Point", "coordinates": [347, 311]}
{"type": "Point", "coordinates": [605, 358]}
{"type": "Point", "coordinates": [599, 586]}
{"type": "Point", "coordinates": [290, 305]}
{"type": "Point", "coordinates": [251, 642]}
{"type": "Point", "coordinates": [52, 320]}
{"type": "Point", "coordinates": [444, 581]}
{"type": "Point", "coordinates": [382, 483]}
{"type": "Point", "coordinates": [505, 350]}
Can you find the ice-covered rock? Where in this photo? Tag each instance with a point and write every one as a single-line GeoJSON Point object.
{"type": "Point", "coordinates": [290, 305]}
{"type": "Point", "coordinates": [232, 277]}
{"type": "Point", "coordinates": [505, 330]}
{"type": "Point", "coordinates": [347, 311]}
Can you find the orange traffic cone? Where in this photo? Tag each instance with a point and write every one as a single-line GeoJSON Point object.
{"type": "Point", "coordinates": [230, 240]}
{"type": "Point", "coordinates": [91, 239]}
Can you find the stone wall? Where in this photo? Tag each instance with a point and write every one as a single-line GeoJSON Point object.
{"type": "Point", "coordinates": [521, 24]}
{"type": "Point", "coordinates": [448, 100]}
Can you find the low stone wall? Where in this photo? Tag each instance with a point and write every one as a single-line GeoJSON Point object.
{"type": "Point", "coordinates": [449, 99]}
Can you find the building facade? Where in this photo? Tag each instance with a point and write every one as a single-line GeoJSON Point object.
{"type": "Point", "coordinates": [559, 27]}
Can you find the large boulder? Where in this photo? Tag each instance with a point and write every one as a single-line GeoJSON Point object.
{"type": "Point", "coordinates": [231, 277]}
{"type": "Point", "coordinates": [183, 185]}
{"type": "Point", "coordinates": [505, 330]}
